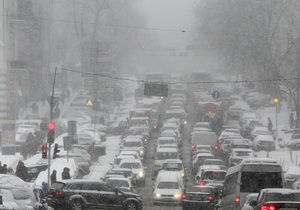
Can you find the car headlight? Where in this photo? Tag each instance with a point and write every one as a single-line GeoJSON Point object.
{"type": "Point", "coordinates": [177, 195]}
{"type": "Point", "coordinates": [157, 195]}
{"type": "Point", "coordinates": [142, 152]}
{"type": "Point", "coordinates": [182, 174]}
{"type": "Point", "coordinates": [185, 122]}
{"type": "Point", "coordinates": [141, 174]}
{"type": "Point", "coordinates": [145, 140]}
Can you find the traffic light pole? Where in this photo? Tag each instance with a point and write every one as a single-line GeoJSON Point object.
{"type": "Point", "coordinates": [51, 115]}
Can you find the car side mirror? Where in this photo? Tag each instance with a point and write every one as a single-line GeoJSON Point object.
{"type": "Point", "coordinates": [253, 203]}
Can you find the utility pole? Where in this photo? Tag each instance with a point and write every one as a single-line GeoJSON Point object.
{"type": "Point", "coordinates": [51, 116]}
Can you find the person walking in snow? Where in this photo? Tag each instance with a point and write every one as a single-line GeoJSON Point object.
{"type": "Point", "coordinates": [270, 125]}
{"type": "Point", "coordinates": [53, 177]}
{"type": "Point", "coordinates": [292, 121]}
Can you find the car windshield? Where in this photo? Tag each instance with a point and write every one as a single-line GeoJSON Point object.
{"type": "Point", "coordinates": [166, 141]}
{"type": "Point", "coordinates": [133, 144]}
{"type": "Point", "coordinates": [166, 155]}
{"type": "Point", "coordinates": [168, 185]}
{"type": "Point", "coordinates": [172, 166]}
{"type": "Point", "coordinates": [130, 165]}
{"type": "Point", "coordinates": [242, 153]}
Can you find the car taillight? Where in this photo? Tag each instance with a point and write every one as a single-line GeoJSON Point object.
{"type": "Point", "coordinates": [268, 207]}
{"type": "Point", "coordinates": [209, 198]}
{"type": "Point", "coordinates": [223, 147]}
{"type": "Point", "coordinates": [202, 183]}
{"type": "Point", "coordinates": [237, 201]}
{"type": "Point", "coordinates": [221, 141]}
{"type": "Point", "coordinates": [193, 146]}
{"type": "Point", "coordinates": [183, 196]}
{"type": "Point", "coordinates": [216, 147]}
{"type": "Point", "coordinates": [59, 193]}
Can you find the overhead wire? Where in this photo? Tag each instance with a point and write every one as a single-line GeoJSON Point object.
{"type": "Point", "coordinates": [187, 83]}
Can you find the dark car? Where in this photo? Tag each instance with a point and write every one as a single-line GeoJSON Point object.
{"type": "Point", "coordinates": [88, 194]}
{"type": "Point", "coordinates": [200, 197]}
{"type": "Point", "coordinates": [277, 198]}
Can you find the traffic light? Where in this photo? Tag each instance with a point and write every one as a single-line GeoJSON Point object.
{"type": "Point", "coordinates": [50, 136]}
{"type": "Point", "coordinates": [44, 151]}
{"type": "Point", "coordinates": [56, 150]}
{"type": "Point", "coordinates": [275, 99]}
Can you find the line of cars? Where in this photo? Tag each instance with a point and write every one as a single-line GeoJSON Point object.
{"type": "Point", "coordinates": [169, 178]}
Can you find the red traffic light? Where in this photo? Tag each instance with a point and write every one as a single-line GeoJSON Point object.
{"type": "Point", "coordinates": [51, 126]}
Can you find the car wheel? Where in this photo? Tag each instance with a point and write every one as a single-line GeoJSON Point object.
{"type": "Point", "coordinates": [131, 206]}
{"type": "Point", "coordinates": [77, 205]}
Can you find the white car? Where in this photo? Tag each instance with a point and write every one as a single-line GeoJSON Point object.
{"type": "Point", "coordinates": [58, 165]}
{"type": "Point", "coordinates": [250, 197]}
{"type": "Point", "coordinates": [168, 188]}
{"type": "Point", "coordinates": [237, 155]}
{"type": "Point", "coordinates": [123, 184]}
{"type": "Point", "coordinates": [259, 130]}
{"type": "Point", "coordinates": [23, 131]}
{"type": "Point", "coordinates": [137, 168]}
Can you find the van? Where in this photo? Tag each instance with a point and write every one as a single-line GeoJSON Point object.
{"type": "Point", "coordinates": [204, 138]}
{"type": "Point", "coordinates": [168, 188]}
{"type": "Point", "coordinates": [250, 176]}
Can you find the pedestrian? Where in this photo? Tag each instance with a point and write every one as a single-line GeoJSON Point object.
{"type": "Point", "coordinates": [270, 125]}
{"type": "Point", "coordinates": [21, 171]}
{"type": "Point", "coordinates": [4, 169]}
{"type": "Point", "coordinates": [91, 150]}
{"type": "Point", "coordinates": [1, 167]}
{"type": "Point", "coordinates": [53, 177]}
{"type": "Point", "coordinates": [65, 174]}
{"type": "Point", "coordinates": [292, 121]}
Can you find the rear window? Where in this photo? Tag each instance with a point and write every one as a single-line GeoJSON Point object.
{"type": "Point", "coordinates": [200, 190]}
{"type": "Point", "coordinates": [289, 196]}
{"type": "Point", "coordinates": [255, 181]}
{"type": "Point", "coordinates": [214, 175]}
{"type": "Point", "coordinates": [58, 186]}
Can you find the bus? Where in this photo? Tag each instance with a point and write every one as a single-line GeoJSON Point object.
{"type": "Point", "coordinates": [250, 176]}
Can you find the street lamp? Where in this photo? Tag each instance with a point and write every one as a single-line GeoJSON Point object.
{"type": "Point", "coordinates": [276, 105]}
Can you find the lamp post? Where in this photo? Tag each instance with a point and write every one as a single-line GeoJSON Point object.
{"type": "Point", "coordinates": [276, 106]}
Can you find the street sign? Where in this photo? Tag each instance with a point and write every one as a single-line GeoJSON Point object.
{"type": "Point", "coordinates": [8, 132]}
{"type": "Point", "coordinates": [67, 142]}
{"type": "Point", "coordinates": [9, 150]}
{"type": "Point", "coordinates": [89, 103]}
{"type": "Point", "coordinates": [215, 94]}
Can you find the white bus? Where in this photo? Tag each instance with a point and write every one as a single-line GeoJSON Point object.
{"type": "Point", "coordinates": [250, 176]}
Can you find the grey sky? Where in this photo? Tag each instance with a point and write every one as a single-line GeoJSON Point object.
{"type": "Point", "coordinates": [169, 15]}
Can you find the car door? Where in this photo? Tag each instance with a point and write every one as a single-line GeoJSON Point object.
{"type": "Point", "coordinates": [110, 197]}
{"type": "Point", "coordinates": [91, 193]}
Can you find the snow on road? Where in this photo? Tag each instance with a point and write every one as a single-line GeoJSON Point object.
{"type": "Point", "coordinates": [103, 165]}
{"type": "Point", "coordinates": [283, 156]}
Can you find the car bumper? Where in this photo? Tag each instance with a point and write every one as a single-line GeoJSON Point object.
{"type": "Point", "coordinates": [196, 204]}
{"type": "Point", "coordinates": [166, 200]}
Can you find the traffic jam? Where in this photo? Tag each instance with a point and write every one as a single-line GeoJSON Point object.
{"type": "Point", "coordinates": [193, 147]}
